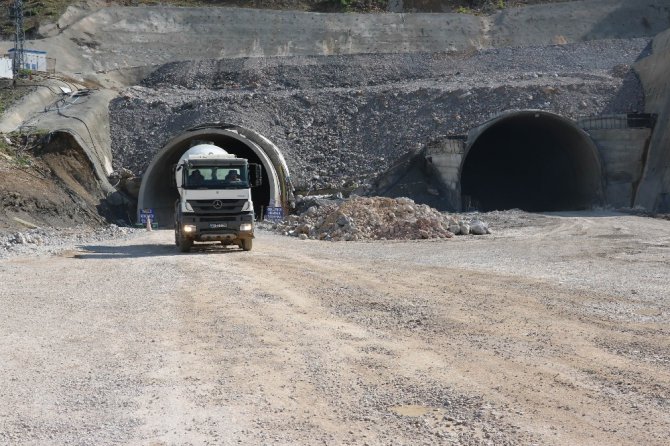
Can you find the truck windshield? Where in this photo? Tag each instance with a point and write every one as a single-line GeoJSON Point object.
{"type": "Point", "coordinates": [216, 177]}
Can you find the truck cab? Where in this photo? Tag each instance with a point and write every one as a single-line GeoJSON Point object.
{"type": "Point", "coordinates": [214, 198]}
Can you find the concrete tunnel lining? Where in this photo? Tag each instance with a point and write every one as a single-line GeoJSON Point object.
{"type": "Point", "coordinates": [531, 160]}
{"type": "Point", "coordinates": [158, 193]}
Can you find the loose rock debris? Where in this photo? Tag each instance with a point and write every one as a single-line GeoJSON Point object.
{"type": "Point", "coordinates": [47, 241]}
{"type": "Point", "coordinates": [353, 101]}
{"type": "Point", "coordinates": [374, 218]}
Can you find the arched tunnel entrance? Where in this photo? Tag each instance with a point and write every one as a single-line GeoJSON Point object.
{"type": "Point", "coordinates": [531, 160]}
{"type": "Point", "coordinates": [158, 192]}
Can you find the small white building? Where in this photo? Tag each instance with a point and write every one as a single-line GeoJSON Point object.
{"type": "Point", "coordinates": [34, 60]}
{"type": "Point", "coordinates": [6, 68]}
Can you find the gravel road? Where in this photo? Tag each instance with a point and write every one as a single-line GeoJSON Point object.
{"type": "Point", "coordinates": [553, 330]}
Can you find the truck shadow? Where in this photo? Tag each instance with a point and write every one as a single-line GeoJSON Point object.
{"type": "Point", "coordinates": [88, 252]}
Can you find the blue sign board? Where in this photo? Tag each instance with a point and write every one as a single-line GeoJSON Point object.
{"type": "Point", "coordinates": [274, 213]}
{"type": "Point", "coordinates": [147, 213]}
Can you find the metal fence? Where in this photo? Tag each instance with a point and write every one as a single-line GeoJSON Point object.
{"type": "Point", "coordinates": [623, 121]}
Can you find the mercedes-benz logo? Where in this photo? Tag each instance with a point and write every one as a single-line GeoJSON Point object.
{"type": "Point", "coordinates": [218, 204]}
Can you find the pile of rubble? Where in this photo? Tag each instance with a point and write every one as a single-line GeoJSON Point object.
{"type": "Point", "coordinates": [374, 218]}
{"type": "Point", "coordinates": [51, 240]}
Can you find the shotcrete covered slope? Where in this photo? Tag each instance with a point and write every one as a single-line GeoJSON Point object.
{"type": "Point", "coordinates": [117, 38]}
{"type": "Point", "coordinates": [654, 191]}
{"type": "Point", "coordinates": [341, 120]}
{"type": "Point", "coordinates": [84, 115]}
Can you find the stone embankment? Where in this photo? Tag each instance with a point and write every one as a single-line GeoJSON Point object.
{"type": "Point", "coordinates": [373, 218]}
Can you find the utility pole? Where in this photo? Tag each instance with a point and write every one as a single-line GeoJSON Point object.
{"type": "Point", "coordinates": [16, 12]}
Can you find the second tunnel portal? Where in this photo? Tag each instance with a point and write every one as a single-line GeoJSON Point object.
{"type": "Point", "coordinates": [531, 160]}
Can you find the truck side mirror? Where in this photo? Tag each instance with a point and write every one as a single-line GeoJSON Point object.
{"type": "Point", "coordinates": [173, 178]}
{"type": "Point", "coordinates": [255, 175]}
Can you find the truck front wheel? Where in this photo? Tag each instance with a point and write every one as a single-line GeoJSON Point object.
{"type": "Point", "coordinates": [247, 244]}
{"type": "Point", "coordinates": [185, 244]}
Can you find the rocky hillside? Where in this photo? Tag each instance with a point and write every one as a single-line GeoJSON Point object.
{"type": "Point", "coordinates": [355, 109]}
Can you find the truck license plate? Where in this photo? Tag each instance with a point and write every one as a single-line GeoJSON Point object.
{"type": "Point", "coordinates": [218, 225]}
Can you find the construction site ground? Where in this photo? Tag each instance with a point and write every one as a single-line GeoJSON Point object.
{"type": "Point", "coordinates": [552, 330]}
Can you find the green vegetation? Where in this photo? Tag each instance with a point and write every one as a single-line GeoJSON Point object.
{"type": "Point", "coordinates": [23, 160]}
{"type": "Point", "coordinates": [9, 95]}
{"type": "Point", "coordinates": [8, 147]}
{"type": "Point", "coordinates": [480, 6]}
{"type": "Point", "coordinates": [18, 146]}
{"type": "Point", "coordinates": [35, 12]}
{"type": "Point", "coordinates": [7, 98]}
{"type": "Point", "coordinates": [4, 147]}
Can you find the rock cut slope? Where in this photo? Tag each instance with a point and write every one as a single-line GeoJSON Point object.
{"type": "Point", "coordinates": [341, 120]}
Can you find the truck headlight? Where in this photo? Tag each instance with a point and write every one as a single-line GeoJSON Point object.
{"type": "Point", "coordinates": [189, 228]}
{"type": "Point", "coordinates": [245, 227]}
{"type": "Point", "coordinates": [188, 207]}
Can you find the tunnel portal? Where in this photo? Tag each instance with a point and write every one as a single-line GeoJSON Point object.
{"type": "Point", "coordinates": [159, 193]}
{"type": "Point", "coordinates": [531, 160]}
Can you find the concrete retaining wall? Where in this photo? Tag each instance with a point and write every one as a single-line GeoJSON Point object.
{"type": "Point", "coordinates": [445, 159]}
{"type": "Point", "coordinates": [117, 38]}
{"type": "Point", "coordinates": [579, 21]}
{"type": "Point", "coordinates": [654, 71]}
{"type": "Point", "coordinates": [622, 153]}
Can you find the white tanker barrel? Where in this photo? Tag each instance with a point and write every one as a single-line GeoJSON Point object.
{"type": "Point", "coordinates": [200, 151]}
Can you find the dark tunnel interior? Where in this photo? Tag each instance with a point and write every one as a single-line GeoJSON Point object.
{"type": "Point", "coordinates": [161, 194]}
{"type": "Point", "coordinates": [534, 162]}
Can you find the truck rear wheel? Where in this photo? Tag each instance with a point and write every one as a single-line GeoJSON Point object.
{"type": "Point", "coordinates": [247, 244]}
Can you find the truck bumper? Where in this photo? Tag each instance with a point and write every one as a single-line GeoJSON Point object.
{"type": "Point", "coordinates": [206, 228]}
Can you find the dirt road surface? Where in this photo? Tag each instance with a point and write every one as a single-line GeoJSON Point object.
{"type": "Point", "coordinates": [553, 330]}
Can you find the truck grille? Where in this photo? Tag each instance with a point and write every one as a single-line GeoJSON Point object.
{"type": "Point", "coordinates": [227, 206]}
{"type": "Point", "coordinates": [217, 219]}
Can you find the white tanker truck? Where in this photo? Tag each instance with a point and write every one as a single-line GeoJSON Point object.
{"type": "Point", "coordinates": [214, 198]}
